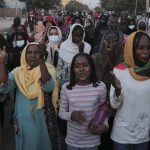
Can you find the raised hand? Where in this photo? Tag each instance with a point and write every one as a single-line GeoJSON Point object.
{"type": "Point", "coordinates": [116, 83]}
{"type": "Point", "coordinates": [81, 47]}
{"type": "Point", "coordinates": [43, 52]}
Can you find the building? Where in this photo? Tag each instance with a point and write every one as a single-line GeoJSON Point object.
{"type": "Point", "coordinates": [15, 4]}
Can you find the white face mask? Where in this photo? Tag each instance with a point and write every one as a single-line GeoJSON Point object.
{"type": "Point", "coordinates": [131, 27]}
{"type": "Point", "coordinates": [54, 38]}
{"type": "Point", "coordinates": [20, 43]}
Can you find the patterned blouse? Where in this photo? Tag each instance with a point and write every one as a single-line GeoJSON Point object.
{"type": "Point", "coordinates": [63, 71]}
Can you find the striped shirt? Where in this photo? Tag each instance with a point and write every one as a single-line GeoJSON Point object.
{"type": "Point", "coordinates": [86, 99]}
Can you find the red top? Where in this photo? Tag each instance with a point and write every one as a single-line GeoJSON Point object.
{"type": "Point", "coordinates": [121, 66]}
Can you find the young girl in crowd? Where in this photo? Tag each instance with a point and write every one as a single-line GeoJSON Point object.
{"type": "Point", "coordinates": [131, 97]}
{"type": "Point", "coordinates": [80, 99]}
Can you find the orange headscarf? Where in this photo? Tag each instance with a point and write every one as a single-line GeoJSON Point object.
{"type": "Point", "coordinates": [129, 59]}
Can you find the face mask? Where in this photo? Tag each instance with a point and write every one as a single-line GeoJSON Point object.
{"type": "Point", "coordinates": [54, 38]}
{"type": "Point", "coordinates": [20, 43]}
{"type": "Point", "coordinates": [131, 27]}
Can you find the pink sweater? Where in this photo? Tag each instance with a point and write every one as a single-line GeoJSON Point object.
{"type": "Point", "coordinates": [81, 98]}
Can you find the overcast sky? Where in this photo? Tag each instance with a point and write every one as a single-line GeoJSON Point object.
{"type": "Point", "coordinates": [91, 3]}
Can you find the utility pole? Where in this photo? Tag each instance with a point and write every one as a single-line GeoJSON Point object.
{"type": "Point", "coordinates": [74, 4]}
{"type": "Point", "coordinates": [136, 1]}
{"type": "Point", "coordinates": [16, 7]}
{"type": "Point", "coordinates": [147, 5]}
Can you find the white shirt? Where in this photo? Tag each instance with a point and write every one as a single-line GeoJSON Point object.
{"type": "Point", "coordinates": [132, 120]}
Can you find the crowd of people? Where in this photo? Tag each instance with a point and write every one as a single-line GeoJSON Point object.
{"type": "Point", "coordinates": [76, 82]}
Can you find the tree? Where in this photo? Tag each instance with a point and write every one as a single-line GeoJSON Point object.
{"type": "Point", "coordinates": [76, 6]}
{"type": "Point", "coordinates": [46, 4]}
{"type": "Point", "coordinates": [124, 5]}
{"type": "Point", "coordinates": [99, 9]}
{"type": "Point", "coordinates": [2, 4]}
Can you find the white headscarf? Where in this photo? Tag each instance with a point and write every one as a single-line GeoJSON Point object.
{"type": "Point", "coordinates": [51, 47]}
{"type": "Point", "coordinates": [68, 49]}
{"type": "Point", "coordinates": [59, 32]}
{"type": "Point", "coordinates": [140, 22]}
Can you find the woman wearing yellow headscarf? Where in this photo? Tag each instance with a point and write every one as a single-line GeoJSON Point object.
{"type": "Point", "coordinates": [34, 81]}
{"type": "Point", "coordinates": [130, 95]}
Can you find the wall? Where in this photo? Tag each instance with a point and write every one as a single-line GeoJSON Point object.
{"type": "Point", "coordinates": [9, 12]}
{"type": "Point", "coordinates": [14, 4]}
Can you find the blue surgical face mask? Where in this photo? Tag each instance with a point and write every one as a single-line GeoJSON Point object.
{"type": "Point", "coordinates": [54, 38]}
{"type": "Point", "coordinates": [20, 43]}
